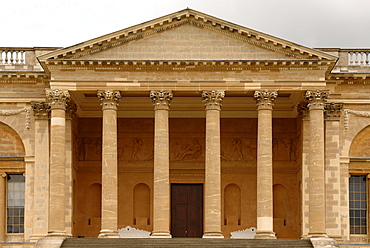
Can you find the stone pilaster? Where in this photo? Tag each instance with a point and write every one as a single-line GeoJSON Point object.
{"type": "Point", "coordinates": [316, 103]}
{"type": "Point", "coordinates": [109, 101]}
{"type": "Point", "coordinates": [41, 111]}
{"type": "Point", "coordinates": [3, 177]}
{"type": "Point", "coordinates": [58, 101]}
{"type": "Point", "coordinates": [212, 190]}
{"type": "Point", "coordinates": [161, 193]}
{"type": "Point", "coordinates": [305, 136]}
{"type": "Point", "coordinates": [332, 113]}
{"type": "Point", "coordinates": [70, 113]}
{"type": "Point", "coordinates": [265, 101]}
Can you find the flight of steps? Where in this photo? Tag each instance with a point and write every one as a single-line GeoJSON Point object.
{"type": "Point", "coordinates": [182, 242]}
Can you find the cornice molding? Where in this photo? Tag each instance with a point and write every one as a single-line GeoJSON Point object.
{"type": "Point", "coordinates": [187, 65]}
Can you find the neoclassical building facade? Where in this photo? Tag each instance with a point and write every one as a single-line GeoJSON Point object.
{"type": "Point", "coordinates": [184, 126]}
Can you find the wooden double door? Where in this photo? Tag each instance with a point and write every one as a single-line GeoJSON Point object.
{"type": "Point", "coordinates": [187, 210]}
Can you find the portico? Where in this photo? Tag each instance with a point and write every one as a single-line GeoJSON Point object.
{"type": "Point", "coordinates": [183, 126]}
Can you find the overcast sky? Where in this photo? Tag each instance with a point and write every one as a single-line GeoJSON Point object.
{"type": "Point", "coordinates": [61, 23]}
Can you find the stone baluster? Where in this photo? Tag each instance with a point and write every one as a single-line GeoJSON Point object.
{"type": "Point", "coordinates": [265, 101]}
{"type": "Point", "coordinates": [161, 193]}
{"type": "Point", "coordinates": [316, 103]}
{"type": "Point", "coordinates": [58, 101]}
{"type": "Point", "coordinates": [212, 190]}
{"type": "Point", "coordinates": [109, 101]}
{"type": "Point", "coordinates": [3, 179]}
{"type": "Point", "coordinates": [41, 111]}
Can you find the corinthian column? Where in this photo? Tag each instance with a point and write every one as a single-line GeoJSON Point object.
{"type": "Point", "coordinates": [161, 199]}
{"type": "Point", "coordinates": [212, 190]}
{"type": "Point", "coordinates": [316, 103]}
{"type": "Point", "coordinates": [41, 112]}
{"type": "Point", "coordinates": [58, 101]}
{"type": "Point", "coordinates": [265, 101]}
{"type": "Point", "coordinates": [109, 223]}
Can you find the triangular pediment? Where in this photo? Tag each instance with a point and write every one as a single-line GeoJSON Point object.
{"type": "Point", "coordinates": [186, 42]}
{"type": "Point", "coordinates": [187, 35]}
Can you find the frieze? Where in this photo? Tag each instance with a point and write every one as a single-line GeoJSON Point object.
{"type": "Point", "coordinates": [238, 150]}
{"type": "Point", "coordinates": [186, 150]}
{"type": "Point", "coordinates": [284, 149]}
{"type": "Point", "coordinates": [353, 112]}
{"type": "Point", "coordinates": [19, 111]}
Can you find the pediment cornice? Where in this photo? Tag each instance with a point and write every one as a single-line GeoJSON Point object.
{"type": "Point", "coordinates": [187, 17]}
{"type": "Point", "coordinates": [187, 65]}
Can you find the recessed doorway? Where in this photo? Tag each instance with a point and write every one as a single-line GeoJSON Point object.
{"type": "Point", "coordinates": [187, 210]}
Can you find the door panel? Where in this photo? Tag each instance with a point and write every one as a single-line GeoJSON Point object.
{"type": "Point", "coordinates": [187, 210]}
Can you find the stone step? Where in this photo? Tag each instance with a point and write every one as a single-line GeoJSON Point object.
{"type": "Point", "coordinates": [180, 242]}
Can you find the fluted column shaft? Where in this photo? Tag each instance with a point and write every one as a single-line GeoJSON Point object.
{"type": "Point", "coordinates": [265, 101]}
{"type": "Point", "coordinates": [109, 222]}
{"type": "Point", "coordinates": [316, 102]}
{"type": "Point", "coordinates": [161, 200]}
{"type": "Point", "coordinates": [58, 100]}
{"type": "Point", "coordinates": [41, 112]}
{"type": "Point", "coordinates": [3, 177]}
{"type": "Point", "coordinates": [212, 190]}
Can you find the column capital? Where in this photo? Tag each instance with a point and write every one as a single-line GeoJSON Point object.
{"type": "Point", "coordinates": [41, 110]}
{"type": "Point", "coordinates": [57, 98]}
{"type": "Point", "coordinates": [332, 111]}
{"type": "Point", "coordinates": [71, 110]}
{"type": "Point", "coordinates": [3, 174]}
{"type": "Point", "coordinates": [302, 109]}
{"type": "Point", "coordinates": [161, 99]}
{"type": "Point", "coordinates": [109, 99]}
{"type": "Point", "coordinates": [316, 99]}
{"type": "Point", "coordinates": [213, 99]}
{"type": "Point", "coordinates": [265, 99]}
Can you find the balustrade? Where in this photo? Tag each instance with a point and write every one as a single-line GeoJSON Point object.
{"type": "Point", "coordinates": [12, 57]}
{"type": "Point", "coordinates": [359, 57]}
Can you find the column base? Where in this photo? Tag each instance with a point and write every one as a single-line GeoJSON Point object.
{"type": "Point", "coordinates": [265, 235]}
{"type": "Point", "coordinates": [36, 237]}
{"type": "Point", "coordinates": [161, 235]}
{"type": "Point", "coordinates": [316, 235]}
{"type": "Point", "coordinates": [108, 234]}
{"type": "Point", "coordinates": [324, 243]}
{"type": "Point", "coordinates": [213, 235]}
{"type": "Point", "coordinates": [58, 233]}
